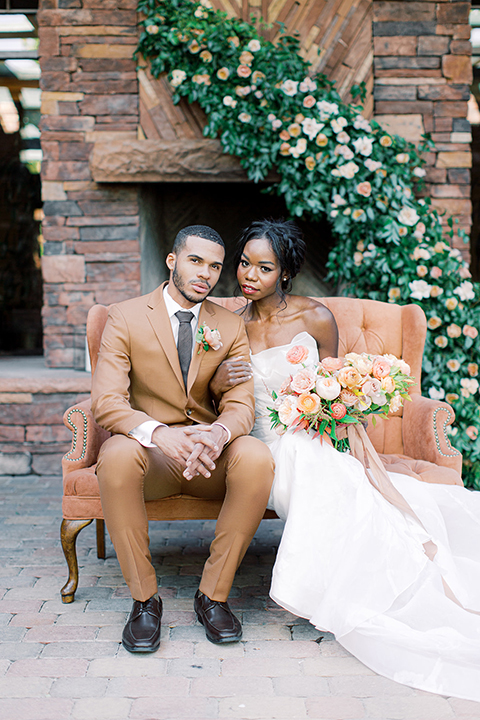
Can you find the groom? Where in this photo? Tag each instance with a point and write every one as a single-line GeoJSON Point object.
{"type": "Point", "coordinates": [151, 389]}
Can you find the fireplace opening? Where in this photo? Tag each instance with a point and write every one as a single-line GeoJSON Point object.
{"type": "Point", "coordinates": [228, 207]}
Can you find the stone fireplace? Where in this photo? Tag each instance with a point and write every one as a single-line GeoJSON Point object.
{"type": "Point", "coordinates": [124, 168]}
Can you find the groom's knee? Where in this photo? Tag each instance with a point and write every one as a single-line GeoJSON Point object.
{"type": "Point", "coordinates": [120, 460]}
{"type": "Point", "coordinates": [251, 461]}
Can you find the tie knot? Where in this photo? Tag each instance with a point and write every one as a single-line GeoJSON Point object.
{"type": "Point", "coordinates": [184, 316]}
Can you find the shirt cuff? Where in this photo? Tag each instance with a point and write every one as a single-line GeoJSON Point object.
{"type": "Point", "coordinates": [143, 433]}
{"type": "Point", "coordinates": [229, 434]}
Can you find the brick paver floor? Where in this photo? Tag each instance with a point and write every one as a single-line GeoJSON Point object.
{"type": "Point", "coordinates": [62, 662]}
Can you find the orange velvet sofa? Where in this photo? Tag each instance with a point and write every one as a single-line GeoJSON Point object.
{"type": "Point", "coordinates": [415, 437]}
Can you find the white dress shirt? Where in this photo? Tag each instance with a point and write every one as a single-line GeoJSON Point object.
{"type": "Point", "coordinates": [143, 433]}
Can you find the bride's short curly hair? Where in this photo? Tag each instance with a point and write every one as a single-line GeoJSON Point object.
{"type": "Point", "coordinates": [287, 243]}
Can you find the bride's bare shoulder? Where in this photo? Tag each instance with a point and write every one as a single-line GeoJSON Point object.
{"type": "Point", "coordinates": [316, 310]}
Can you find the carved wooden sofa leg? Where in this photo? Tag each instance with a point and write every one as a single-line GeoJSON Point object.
{"type": "Point", "coordinates": [100, 539]}
{"type": "Point", "coordinates": [68, 534]}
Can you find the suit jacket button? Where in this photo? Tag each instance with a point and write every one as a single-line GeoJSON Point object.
{"type": "Point", "coordinates": [189, 412]}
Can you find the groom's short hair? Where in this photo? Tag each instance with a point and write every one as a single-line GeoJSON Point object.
{"type": "Point", "coordinates": [203, 231]}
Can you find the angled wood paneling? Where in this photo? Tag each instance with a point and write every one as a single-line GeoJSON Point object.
{"type": "Point", "coordinates": [335, 37]}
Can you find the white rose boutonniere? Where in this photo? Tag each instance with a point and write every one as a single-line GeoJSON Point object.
{"type": "Point", "coordinates": [208, 338]}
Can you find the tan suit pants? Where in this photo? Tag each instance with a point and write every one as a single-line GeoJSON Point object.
{"type": "Point", "coordinates": [128, 474]}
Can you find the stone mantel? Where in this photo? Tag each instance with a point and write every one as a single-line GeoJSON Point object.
{"type": "Point", "coordinates": [164, 161]}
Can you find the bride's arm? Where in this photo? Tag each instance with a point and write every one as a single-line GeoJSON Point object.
{"type": "Point", "coordinates": [322, 326]}
{"type": "Point", "coordinates": [230, 373]}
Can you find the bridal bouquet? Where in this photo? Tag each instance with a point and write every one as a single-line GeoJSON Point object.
{"type": "Point", "coordinates": [331, 394]}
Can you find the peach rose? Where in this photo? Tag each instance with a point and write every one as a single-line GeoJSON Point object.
{"type": "Point", "coordinates": [373, 389]}
{"type": "Point", "coordinates": [285, 149]}
{"type": "Point", "coordinates": [321, 140]}
{"type": "Point", "coordinates": [310, 162]}
{"type": "Point", "coordinates": [451, 303]}
{"type": "Point", "coordinates": [436, 272]}
{"type": "Point", "coordinates": [470, 331]}
{"type": "Point", "coordinates": [364, 189]}
{"type": "Point", "coordinates": [472, 432]}
{"type": "Point", "coordinates": [308, 403]}
{"type": "Point", "coordinates": [388, 384]}
{"type": "Point", "coordinates": [284, 135]}
{"type": "Point", "coordinates": [395, 403]}
{"type": "Point", "coordinates": [453, 365]}
{"type": "Point", "coordinates": [212, 338]}
{"type": "Point", "coordinates": [436, 291]}
{"type": "Point", "coordinates": [434, 322]}
{"type": "Point", "coordinates": [297, 354]}
{"type": "Point", "coordinates": [303, 381]}
{"type": "Point", "coordinates": [328, 388]}
{"type": "Point", "coordinates": [451, 397]}
{"type": "Point", "coordinates": [348, 398]}
{"type": "Point", "coordinates": [349, 377]}
{"type": "Point", "coordinates": [422, 270]}
{"type": "Point", "coordinates": [472, 369]}
{"type": "Point", "coordinates": [223, 73]}
{"type": "Point", "coordinates": [361, 362]}
{"type": "Point", "coordinates": [246, 58]}
{"type": "Point", "coordinates": [338, 411]}
{"type": "Point", "coordinates": [243, 71]}
{"type": "Point", "coordinates": [454, 331]}
{"type": "Point", "coordinates": [285, 387]}
{"type": "Point", "coordinates": [287, 411]}
{"type": "Point", "coordinates": [381, 368]}
{"type": "Point", "coordinates": [294, 129]}
{"type": "Point", "coordinates": [331, 364]}
{"type": "Point", "coordinates": [309, 101]}
{"type": "Point", "coordinates": [441, 341]}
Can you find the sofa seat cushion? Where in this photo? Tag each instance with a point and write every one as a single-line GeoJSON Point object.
{"type": "Point", "coordinates": [423, 470]}
{"type": "Point", "coordinates": [81, 500]}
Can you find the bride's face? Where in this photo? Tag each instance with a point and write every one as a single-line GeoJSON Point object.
{"type": "Point", "coordinates": [259, 270]}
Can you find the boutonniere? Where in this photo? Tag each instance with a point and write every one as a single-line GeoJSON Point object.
{"type": "Point", "coordinates": [207, 338]}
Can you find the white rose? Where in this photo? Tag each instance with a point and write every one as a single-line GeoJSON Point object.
{"type": "Point", "coordinates": [349, 170]}
{"type": "Point", "coordinates": [408, 216]}
{"type": "Point", "coordinates": [328, 388]}
{"type": "Point", "coordinates": [254, 46]}
{"type": "Point", "coordinates": [420, 289]}
{"type": "Point", "coordinates": [465, 291]}
{"type": "Point", "coordinates": [363, 145]}
{"type": "Point", "coordinates": [436, 394]}
{"type": "Point", "coordinates": [289, 87]}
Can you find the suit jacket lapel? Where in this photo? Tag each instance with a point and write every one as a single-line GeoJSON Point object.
{"type": "Point", "coordinates": [159, 320]}
{"type": "Point", "coordinates": [207, 315]}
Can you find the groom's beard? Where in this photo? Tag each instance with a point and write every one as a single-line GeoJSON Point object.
{"type": "Point", "coordinates": [182, 287]}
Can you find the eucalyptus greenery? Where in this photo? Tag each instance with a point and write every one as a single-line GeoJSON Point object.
{"type": "Point", "coordinates": [268, 110]}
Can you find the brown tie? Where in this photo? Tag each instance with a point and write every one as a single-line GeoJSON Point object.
{"type": "Point", "coordinates": [185, 341]}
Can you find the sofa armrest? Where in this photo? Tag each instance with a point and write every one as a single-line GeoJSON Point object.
{"type": "Point", "coordinates": [424, 432]}
{"type": "Point", "coordinates": [87, 439]}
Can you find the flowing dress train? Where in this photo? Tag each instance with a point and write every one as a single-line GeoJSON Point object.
{"type": "Point", "coordinates": [354, 565]}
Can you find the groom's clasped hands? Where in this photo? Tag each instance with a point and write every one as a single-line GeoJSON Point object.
{"type": "Point", "coordinates": [195, 446]}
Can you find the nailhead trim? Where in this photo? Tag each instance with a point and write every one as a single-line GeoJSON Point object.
{"type": "Point", "coordinates": [454, 452]}
{"type": "Point", "coordinates": [75, 435]}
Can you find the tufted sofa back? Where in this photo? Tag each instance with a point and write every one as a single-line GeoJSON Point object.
{"type": "Point", "coordinates": [377, 328]}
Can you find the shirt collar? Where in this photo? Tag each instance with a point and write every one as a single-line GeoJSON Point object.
{"type": "Point", "coordinates": [173, 307]}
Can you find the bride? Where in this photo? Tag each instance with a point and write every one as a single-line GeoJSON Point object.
{"type": "Point", "coordinates": [349, 561]}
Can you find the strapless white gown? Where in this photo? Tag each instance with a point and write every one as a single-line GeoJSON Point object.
{"type": "Point", "coordinates": [354, 565]}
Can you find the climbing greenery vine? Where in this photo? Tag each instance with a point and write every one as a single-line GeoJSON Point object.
{"type": "Point", "coordinates": [268, 110]}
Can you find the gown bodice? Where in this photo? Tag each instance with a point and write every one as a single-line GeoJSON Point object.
{"type": "Point", "coordinates": [270, 369]}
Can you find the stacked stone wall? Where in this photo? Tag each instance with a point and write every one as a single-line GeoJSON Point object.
{"type": "Point", "coordinates": [423, 73]}
{"type": "Point", "coordinates": [89, 93]}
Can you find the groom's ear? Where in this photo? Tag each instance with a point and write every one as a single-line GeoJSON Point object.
{"type": "Point", "coordinates": [170, 261]}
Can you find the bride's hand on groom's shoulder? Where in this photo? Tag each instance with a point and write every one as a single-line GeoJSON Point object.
{"type": "Point", "coordinates": [230, 372]}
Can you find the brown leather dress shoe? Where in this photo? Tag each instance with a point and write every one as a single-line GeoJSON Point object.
{"type": "Point", "coordinates": [142, 630]}
{"type": "Point", "coordinates": [221, 625]}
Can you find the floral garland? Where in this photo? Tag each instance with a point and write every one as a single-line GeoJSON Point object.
{"type": "Point", "coordinates": [265, 108]}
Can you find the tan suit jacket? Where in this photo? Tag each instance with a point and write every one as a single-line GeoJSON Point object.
{"type": "Point", "coordinates": [138, 376]}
